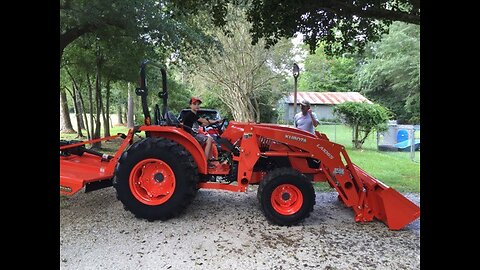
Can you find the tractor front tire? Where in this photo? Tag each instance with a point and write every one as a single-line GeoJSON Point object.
{"type": "Point", "coordinates": [156, 178]}
{"type": "Point", "coordinates": [286, 196]}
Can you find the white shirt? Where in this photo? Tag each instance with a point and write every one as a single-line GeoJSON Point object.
{"type": "Point", "coordinates": [304, 122]}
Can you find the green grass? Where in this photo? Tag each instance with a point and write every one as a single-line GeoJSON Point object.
{"type": "Point", "coordinates": [394, 169]}
{"type": "Point", "coordinates": [109, 147]}
{"type": "Point", "coordinates": [113, 131]}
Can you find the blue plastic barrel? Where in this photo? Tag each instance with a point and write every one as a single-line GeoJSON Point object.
{"type": "Point", "coordinates": [402, 135]}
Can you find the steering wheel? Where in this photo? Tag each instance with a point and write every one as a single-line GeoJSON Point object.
{"type": "Point", "coordinates": [217, 125]}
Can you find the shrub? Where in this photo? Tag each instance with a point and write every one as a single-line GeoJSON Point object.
{"type": "Point", "coordinates": [363, 118]}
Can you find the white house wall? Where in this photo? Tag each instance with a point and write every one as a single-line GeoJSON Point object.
{"type": "Point", "coordinates": [324, 112]}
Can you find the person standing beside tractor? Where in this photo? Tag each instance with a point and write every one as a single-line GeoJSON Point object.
{"type": "Point", "coordinates": [306, 119]}
{"type": "Point", "coordinates": [193, 121]}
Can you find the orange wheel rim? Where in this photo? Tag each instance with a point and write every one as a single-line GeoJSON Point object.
{"type": "Point", "coordinates": [286, 199]}
{"type": "Point", "coordinates": [152, 181]}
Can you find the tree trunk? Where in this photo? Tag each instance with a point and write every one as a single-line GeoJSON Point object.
{"type": "Point", "coordinates": [106, 112]}
{"type": "Point", "coordinates": [125, 110]}
{"type": "Point", "coordinates": [77, 100]}
{"type": "Point", "coordinates": [357, 143]}
{"type": "Point", "coordinates": [62, 122]}
{"type": "Point", "coordinates": [90, 98]}
{"type": "Point", "coordinates": [82, 108]}
{"type": "Point", "coordinates": [65, 116]}
{"type": "Point", "coordinates": [78, 116]}
{"type": "Point", "coordinates": [98, 100]}
{"type": "Point", "coordinates": [257, 110]}
{"type": "Point", "coordinates": [119, 115]}
{"type": "Point", "coordinates": [130, 109]}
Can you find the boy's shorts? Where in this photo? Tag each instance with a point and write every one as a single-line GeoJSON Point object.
{"type": "Point", "coordinates": [202, 139]}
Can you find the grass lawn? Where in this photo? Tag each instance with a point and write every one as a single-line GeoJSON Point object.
{"type": "Point", "coordinates": [113, 131]}
{"type": "Point", "coordinates": [108, 147]}
{"type": "Point", "coordinates": [394, 169]}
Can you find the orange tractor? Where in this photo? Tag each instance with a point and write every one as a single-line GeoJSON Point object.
{"type": "Point", "coordinates": [158, 176]}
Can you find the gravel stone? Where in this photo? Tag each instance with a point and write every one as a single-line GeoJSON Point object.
{"type": "Point", "coordinates": [226, 230]}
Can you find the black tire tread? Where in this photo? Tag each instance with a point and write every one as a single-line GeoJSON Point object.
{"type": "Point", "coordinates": [150, 146]}
{"type": "Point", "coordinates": [270, 179]}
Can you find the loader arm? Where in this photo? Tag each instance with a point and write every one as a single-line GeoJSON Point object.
{"type": "Point", "coordinates": [367, 196]}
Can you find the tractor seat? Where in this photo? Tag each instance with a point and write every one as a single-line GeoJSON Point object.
{"type": "Point", "coordinates": [171, 119]}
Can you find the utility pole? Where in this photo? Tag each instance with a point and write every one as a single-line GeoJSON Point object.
{"type": "Point", "coordinates": [296, 73]}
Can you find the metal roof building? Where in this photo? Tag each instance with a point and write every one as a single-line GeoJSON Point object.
{"type": "Point", "coordinates": [328, 98]}
{"type": "Point", "coordinates": [321, 102]}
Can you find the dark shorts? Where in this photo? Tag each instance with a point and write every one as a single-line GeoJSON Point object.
{"type": "Point", "coordinates": [202, 139]}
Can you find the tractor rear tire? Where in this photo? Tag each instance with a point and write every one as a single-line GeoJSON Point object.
{"type": "Point", "coordinates": [156, 178]}
{"type": "Point", "coordinates": [286, 196]}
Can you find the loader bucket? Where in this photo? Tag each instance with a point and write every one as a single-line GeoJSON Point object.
{"type": "Point", "coordinates": [396, 211]}
{"type": "Point", "coordinates": [386, 204]}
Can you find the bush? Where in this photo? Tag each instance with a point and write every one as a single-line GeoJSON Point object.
{"type": "Point", "coordinates": [363, 118]}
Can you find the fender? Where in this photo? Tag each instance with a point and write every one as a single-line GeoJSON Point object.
{"type": "Point", "coordinates": [183, 138]}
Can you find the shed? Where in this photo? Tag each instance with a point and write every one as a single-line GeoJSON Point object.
{"type": "Point", "coordinates": [322, 103]}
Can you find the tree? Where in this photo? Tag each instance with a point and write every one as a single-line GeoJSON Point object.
{"type": "Point", "coordinates": [350, 23]}
{"type": "Point", "coordinates": [65, 124]}
{"type": "Point", "coordinates": [178, 95]}
{"type": "Point", "coordinates": [325, 73]}
{"type": "Point", "coordinates": [78, 18]}
{"type": "Point", "coordinates": [108, 60]}
{"type": "Point", "coordinates": [118, 99]}
{"type": "Point", "coordinates": [240, 73]}
{"type": "Point", "coordinates": [74, 93]}
{"type": "Point", "coordinates": [213, 102]}
{"type": "Point", "coordinates": [179, 92]}
{"type": "Point", "coordinates": [363, 118]}
{"type": "Point", "coordinates": [65, 121]}
{"type": "Point", "coordinates": [106, 42]}
{"type": "Point", "coordinates": [160, 23]}
{"type": "Point", "coordinates": [390, 73]}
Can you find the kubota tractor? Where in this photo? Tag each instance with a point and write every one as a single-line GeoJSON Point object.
{"type": "Point", "coordinates": [158, 176]}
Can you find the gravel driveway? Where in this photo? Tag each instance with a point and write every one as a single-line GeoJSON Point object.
{"type": "Point", "coordinates": [225, 230]}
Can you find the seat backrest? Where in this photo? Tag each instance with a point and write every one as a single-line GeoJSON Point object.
{"type": "Point", "coordinates": [171, 119]}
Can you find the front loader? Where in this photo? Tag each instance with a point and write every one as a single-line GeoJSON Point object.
{"type": "Point", "coordinates": [157, 177]}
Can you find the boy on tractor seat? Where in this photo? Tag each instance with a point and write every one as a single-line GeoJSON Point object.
{"type": "Point", "coordinates": [192, 120]}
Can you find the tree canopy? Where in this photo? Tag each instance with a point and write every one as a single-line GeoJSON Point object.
{"type": "Point", "coordinates": [349, 23]}
{"type": "Point", "coordinates": [390, 72]}
{"type": "Point", "coordinates": [328, 73]}
{"type": "Point", "coordinates": [154, 22]}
